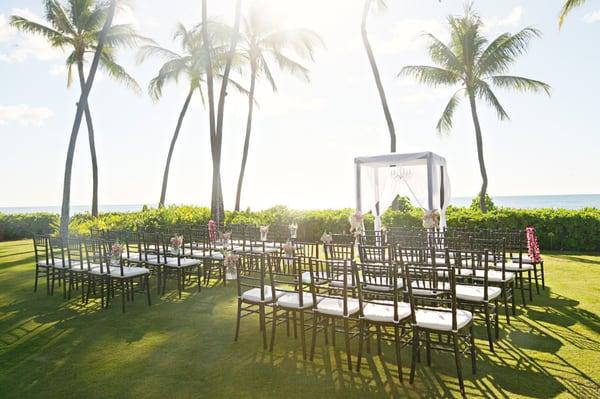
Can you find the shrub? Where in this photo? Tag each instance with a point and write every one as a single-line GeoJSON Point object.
{"type": "Point", "coordinates": [489, 204]}
{"type": "Point", "coordinates": [558, 229]}
{"type": "Point", "coordinates": [19, 226]}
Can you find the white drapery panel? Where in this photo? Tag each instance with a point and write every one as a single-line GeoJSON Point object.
{"type": "Point", "coordinates": [423, 177]}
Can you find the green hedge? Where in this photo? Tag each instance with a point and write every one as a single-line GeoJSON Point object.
{"type": "Point", "coordinates": [18, 226]}
{"type": "Point", "coordinates": [559, 229]}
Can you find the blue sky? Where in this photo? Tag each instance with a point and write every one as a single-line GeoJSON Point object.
{"type": "Point", "coordinates": [305, 136]}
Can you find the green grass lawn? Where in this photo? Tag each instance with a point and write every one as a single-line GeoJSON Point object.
{"type": "Point", "coordinates": [176, 348]}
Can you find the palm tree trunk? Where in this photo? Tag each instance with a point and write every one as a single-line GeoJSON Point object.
{"type": "Point", "coordinates": [247, 140]}
{"type": "Point", "coordinates": [384, 104]}
{"type": "Point", "coordinates": [211, 114]}
{"type": "Point", "coordinates": [92, 141]}
{"type": "Point", "coordinates": [479, 139]}
{"type": "Point", "coordinates": [163, 192]}
{"type": "Point", "coordinates": [81, 105]}
{"type": "Point", "coordinates": [217, 189]}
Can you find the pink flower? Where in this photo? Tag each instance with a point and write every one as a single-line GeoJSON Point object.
{"type": "Point", "coordinates": [212, 230]}
{"type": "Point", "coordinates": [533, 246]}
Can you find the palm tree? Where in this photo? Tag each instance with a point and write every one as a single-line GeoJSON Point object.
{"type": "Point", "coordinates": [192, 66]}
{"type": "Point", "coordinates": [567, 8]}
{"type": "Point", "coordinates": [81, 106]}
{"type": "Point", "coordinates": [375, 69]}
{"type": "Point", "coordinates": [469, 61]}
{"type": "Point", "coordinates": [77, 27]}
{"type": "Point", "coordinates": [262, 40]}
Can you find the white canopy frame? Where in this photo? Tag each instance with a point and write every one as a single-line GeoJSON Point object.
{"type": "Point", "coordinates": [381, 178]}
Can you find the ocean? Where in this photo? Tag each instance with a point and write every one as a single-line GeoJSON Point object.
{"type": "Point", "coordinates": [577, 201]}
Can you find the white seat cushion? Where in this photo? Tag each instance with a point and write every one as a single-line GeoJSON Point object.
{"type": "Point", "coordinates": [115, 271]}
{"type": "Point", "coordinates": [183, 262]}
{"type": "Point", "coordinates": [335, 306]}
{"type": "Point", "coordinates": [306, 278]}
{"type": "Point", "coordinates": [132, 256]}
{"type": "Point", "coordinates": [215, 256]}
{"type": "Point", "coordinates": [384, 311]}
{"type": "Point", "coordinates": [383, 284]}
{"type": "Point", "coordinates": [339, 281]}
{"type": "Point", "coordinates": [514, 266]}
{"type": "Point", "coordinates": [475, 293]}
{"type": "Point", "coordinates": [441, 321]}
{"type": "Point", "coordinates": [458, 273]}
{"type": "Point", "coordinates": [526, 259]}
{"type": "Point", "coordinates": [292, 300]}
{"type": "Point", "coordinates": [425, 291]}
{"type": "Point", "coordinates": [58, 264]}
{"type": "Point", "coordinates": [495, 276]}
{"type": "Point", "coordinates": [253, 295]}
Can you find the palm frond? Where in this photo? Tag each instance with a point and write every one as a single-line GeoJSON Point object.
{"type": "Point", "coordinates": [148, 51]}
{"type": "Point", "coordinates": [170, 71]}
{"type": "Point", "coordinates": [520, 83]}
{"type": "Point", "coordinates": [445, 122]}
{"type": "Point", "coordinates": [293, 67]}
{"type": "Point", "coordinates": [238, 86]}
{"type": "Point", "coordinates": [566, 9]}
{"type": "Point", "coordinates": [301, 41]}
{"type": "Point", "coordinates": [429, 75]}
{"type": "Point", "coordinates": [125, 36]}
{"type": "Point", "coordinates": [55, 37]}
{"type": "Point", "coordinates": [442, 55]}
{"type": "Point", "coordinates": [264, 67]}
{"type": "Point", "coordinates": [483, 90]}
{"type": "Point", "coordinates": [60, 18]}
{"type": "Point", "coordinates": [118, 73]}
{"type": "Point", "coordinates": [503, 51]}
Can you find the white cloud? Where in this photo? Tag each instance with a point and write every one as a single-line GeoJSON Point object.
{"type": "Point", "coordinates": [592, 17]}
{"type": "Point", "coordinates": [512, 19]}
{"type": "Point", "coordinates": [24, 114]}
{"type": "Point", "coordinates": [407, 35]}
{"type": "Point", "coordinates": [18, 47]}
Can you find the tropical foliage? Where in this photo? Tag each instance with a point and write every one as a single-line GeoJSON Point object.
{"type": "Point", "coordinates": [76, 29]}
{"type": "Point", "coordinates": [567, 8]}
{"type": "Point", "coordinates": [477, 66]}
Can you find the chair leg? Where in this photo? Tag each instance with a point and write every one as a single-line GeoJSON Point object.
{"type": "Point", "coordinates": [198, 274]}
{"type": "Point", "coordinates": [522, 284]}
{"type": "Point", "coordinates": [457, 360]}
{"type": "Point", "coordinates": [361, 338]}
{"type": "Point", "coordinates": [473, 349]}
{"type": "Point", "coordinates": [512, 296]}
{"type": "Point", "coordinates": [179, 281]}
{"type": "Point", "coordinates": [415, 349]}
{"type": "Point", "coordinates": [123, 295]}
{"type": "Point", "coordinates": [505, 302]}
{"type": "Point", "coordinates": [239, 317]}
{"type": "Point", "coordinates": [488, 325]}
{"type": "Point", "coordinates": [543, 279]}
{"type": "Point", "coordinates": [147, 284]}
{"type": "Point", "coordinates": [273, 328]}
{"type": "Point", "coordinates": [496, 319]}
{"type": "Point", "coordinates": [428, 348]}
{"type": "Point", "coordinates": [378, 329]}
{"type": "Point", "coordinates": [347, 339]}
{"type": "Point", "coordinates": [535, 276]}
{"type": "Point", "coordinates": [332, 331]}
{"type": "Point", "coordinates": [530, 288]}
{"type": "Point", "coordinates": [37, 273]}
{"type": "Point", "coordinates": [314, 336]}
{"type": "Point", "coordinates": [302, 335]}
{"type": "Point", "coordinates": [263, 325]}
{"type": "Point", "coordinates": [398, 356]}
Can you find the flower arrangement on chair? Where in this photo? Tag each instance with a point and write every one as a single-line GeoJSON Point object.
{"type": "Point", "coordinates": [212, 230]}
{"type": "Point", "coordinates": [176, 244]}
{"type": "Point", "coordinates": [356, 223]}
{"type": "Point", "coordinates": [533, 245]}
{"type": "Point", "coordinates": [293, 231]}
{"type": "Point", "coordinates": [226, 238]}
{"type": "Point", "coordinates": [288, 249]}
{"type": "Point", "coordinates": [431, 219]}
{"type": "Point", "coordinates": [116, 252]}
{"type": "Point", "coordinates": [230, 262]}
{"type": "Point", "coordinates": [326, 238]}
{"type": "Point", "coordinates": [264, 231]}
